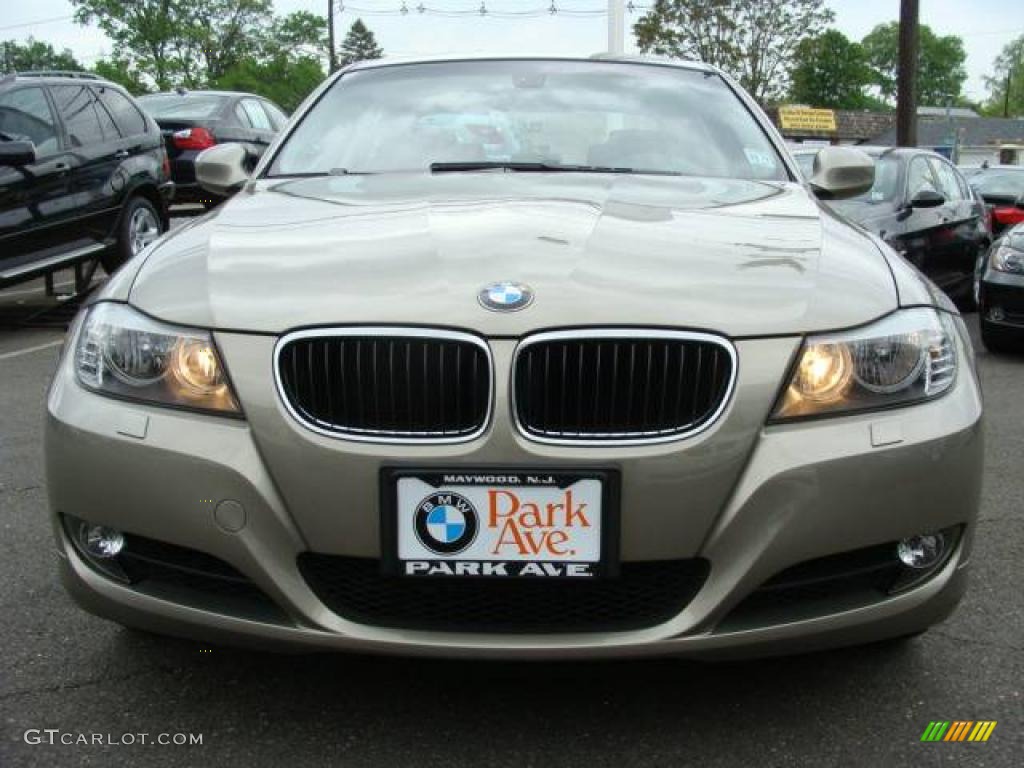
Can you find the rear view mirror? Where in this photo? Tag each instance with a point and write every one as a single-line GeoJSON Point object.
{"type": "Point", "coordinates": [841, 172]}
{"type": "Point", "coordinates": [927, 198]}
{"type": "Point", "coordinates": [17, 153]}
{"type": "Point", "coordinates": [222, 170]}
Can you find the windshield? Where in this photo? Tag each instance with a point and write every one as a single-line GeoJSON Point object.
{"type": "Point", "coordinates": [182, 106]}
{"type": "Point", "coordinates": [555, 113]}
{"type": "Point", "coordinates": [999, 184]}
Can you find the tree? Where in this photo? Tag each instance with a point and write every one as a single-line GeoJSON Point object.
{"type": "Point", "coordinates": [753, 40]}
{"type": "Point", "coordinates": [35, 54]}
{"type": "Point", "coordinates": [359, 45]}
{"type": "Point", "coordinates": [1009, 71]}
{"type": "Point", "coordinates": [123, 73]}
{"type": "Point", "coordinates": [941, 73]}
{"type": "Point", "coordinates": [830, 70]}
{"type": "Point", "coordinates": [284, 81]}
{"type": "Point", "coordinates": [288, 63]}
{"type": "Point", "coordinates": [179, 42]}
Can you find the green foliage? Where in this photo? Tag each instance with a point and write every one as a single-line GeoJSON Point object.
{"type": "Point", "coordinates": [284, 81]}
{"type": "Point", "coordinates": [830, 70]}
{"type": "Point", "coordinates": [179, 42]}
{"type": "Point", "coordinates": [359, 45]}
{"type": "Point", "coordinates": [122, 73]}
{"type": "Point", "coordinates": [231, 44]}
{"type": "Point", "coordinates": [35, 54]}
{"type": "Point", "coordinates": [1009, 64]}
{"type": "Point", "coordinates": [752, 40]}
{"type": "Point", "coordinates": [940, 69]}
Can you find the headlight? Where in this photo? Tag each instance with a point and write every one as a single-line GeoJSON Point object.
{"type": "Point", "coordinates": [907, 357]}
{"type": "Point", "coordinates": [1006, 258]}
{"type": "Point", "coordinates": [122, 352]}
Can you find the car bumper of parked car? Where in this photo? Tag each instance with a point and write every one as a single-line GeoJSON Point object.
{"type": "Point", "coordinates": [789, 564]}
{"type": "Point", "coordinates": [1002, 300]}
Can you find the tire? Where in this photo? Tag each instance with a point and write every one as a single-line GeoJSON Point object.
{"type": "Point", "coordinates": [140, 225]}
{"type": "Point", "coordinates": [998, 341]}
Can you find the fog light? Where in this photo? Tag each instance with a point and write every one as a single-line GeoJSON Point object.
{"type": "Point", "coordinates": [996, 314]}
{"type": "Point", "coordinates": [100, 541]}
{"type": "Point", "coordinates": [921, 551]}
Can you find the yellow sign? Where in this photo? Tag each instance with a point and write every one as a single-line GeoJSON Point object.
{"type": "Point", "coordinates": [807, 119]}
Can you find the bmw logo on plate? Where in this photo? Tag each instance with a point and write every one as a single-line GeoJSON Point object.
{"type": "Point", "coordinates": [446, 523]}
{"type": "Point", "coordinates": [506, 296]}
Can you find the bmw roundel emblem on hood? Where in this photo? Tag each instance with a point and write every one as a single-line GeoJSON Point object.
{"type": "Point", "coordinates": [506, 296]}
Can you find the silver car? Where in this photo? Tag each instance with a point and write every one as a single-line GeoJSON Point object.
{"type": "Point", "coordinates": [589, 372]}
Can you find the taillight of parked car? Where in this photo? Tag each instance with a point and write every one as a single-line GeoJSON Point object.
{"type": "Point", "coordinates": [1007, 216]}
{"type": "Point", "coordinates": [193, 138]}
{"type": "Point", "coordinates": [165, 164]}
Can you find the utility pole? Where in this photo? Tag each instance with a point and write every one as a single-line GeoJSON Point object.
{"type": "Point", "coordinates": [332, 61]}
{"type": "Point", "coordinates": [616, 27]}
{"type": "Point", "coordinates": [1006, 97]}
{"type": "Point", "coordinates": [906, 79]}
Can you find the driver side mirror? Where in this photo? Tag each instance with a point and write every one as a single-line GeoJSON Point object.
{"type": "Point", "coordinates": [17, 153]}
{"type": "Point", "coordinates": [222, 169]}
{"type": "Point", "coordinates": [927, 198]}
{"type": "Point", "coordinates": [841, 172]}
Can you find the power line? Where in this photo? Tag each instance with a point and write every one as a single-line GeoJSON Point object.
{"type": "Point", "coordinates": [33, 23]}
{"type": "Point", "coordinates": [398, 8]}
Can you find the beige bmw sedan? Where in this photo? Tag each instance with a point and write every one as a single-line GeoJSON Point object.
{"type": "Point", "coordinates": [519, 358]}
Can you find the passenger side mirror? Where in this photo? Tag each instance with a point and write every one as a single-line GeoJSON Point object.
{"type": "Point", "coordinates": [17, 153]}
{"type": "Point", "coordinates": [841, 172]}
{"type": "Point", "coordinates": [222, 169]}
{"type": "Point", "coordinates": [927, 198]}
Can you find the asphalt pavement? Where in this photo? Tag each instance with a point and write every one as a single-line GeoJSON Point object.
{"type": "Point", "coordinates": [86, 678]}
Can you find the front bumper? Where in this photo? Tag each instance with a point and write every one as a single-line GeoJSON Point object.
{"type": "Point", "coordinates": [803, 491]}
{"type": "Point", "coordinates": [1002, 299]}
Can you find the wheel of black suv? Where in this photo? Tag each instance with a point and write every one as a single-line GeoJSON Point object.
{"type": "Point", "coordinates": [140, 225]}
{"type": "Point", "coordinates": [997, 340]}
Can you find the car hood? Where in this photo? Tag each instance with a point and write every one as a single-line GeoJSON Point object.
{"type": "Point", "coordinates": [738, 257]}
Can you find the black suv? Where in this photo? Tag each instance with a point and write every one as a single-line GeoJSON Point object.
{"type": "Point", "coordinates": [83, 174]}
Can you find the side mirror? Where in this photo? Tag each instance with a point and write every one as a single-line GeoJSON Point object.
{"type": "Point", "coordinates": [221, 170]}
{"type": "Point", "coordinates": [927, 198]}
{"type": "Point", "coordinates": [841, 172]}
{"type": "Point", "coordinates": [17, 153]}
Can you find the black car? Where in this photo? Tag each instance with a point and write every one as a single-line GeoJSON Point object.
{"type": "Point", "coordinates": [923, 207]}
{"type": "Point", "coordinates": [1002, 189]}
{"type": "Point", "coordinates": [1001, 293]}
{"type": "Point", "coordinates": [192, 121]}
{"type": "Point", "coordinates": [83, 175]}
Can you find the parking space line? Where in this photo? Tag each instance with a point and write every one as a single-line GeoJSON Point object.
{"type": "Point", "coordinates": [30, 350]}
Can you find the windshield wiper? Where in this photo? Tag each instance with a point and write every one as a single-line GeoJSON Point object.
{"type": "Point", "coordinates": [537, 167]}
{"type": "Point", "coordinates": [6, 137]}
{"type": "Point", "coordinates": [316, 174]}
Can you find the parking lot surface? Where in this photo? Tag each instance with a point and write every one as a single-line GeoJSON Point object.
{"type": "Point", "coordinates": [66, 670]}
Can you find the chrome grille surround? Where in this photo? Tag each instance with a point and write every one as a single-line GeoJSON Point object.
{"type": "Point", "coordinates": [623, 438]}
{"type": "Point", "coordinates": [395, 333]}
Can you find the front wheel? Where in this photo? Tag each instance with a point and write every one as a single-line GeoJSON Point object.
{"type": "Point", "coordinates": [140, 225]}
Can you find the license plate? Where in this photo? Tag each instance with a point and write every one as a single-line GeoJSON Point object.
{"type": "Point", "coordinates": [499, 524]}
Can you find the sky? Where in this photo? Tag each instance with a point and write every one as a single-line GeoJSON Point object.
{"type": "Point", "coordinates": [985, 26]}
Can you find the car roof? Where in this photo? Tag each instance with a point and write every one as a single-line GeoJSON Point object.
{"type": "Point", "coordinates": [389, 61]}
{"type": "Point", "coordinates": [186, 92]}
{"type": "Point", "coordinates": [55, 77]}
{"type": "Point", "coordinates": [984, 168]}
